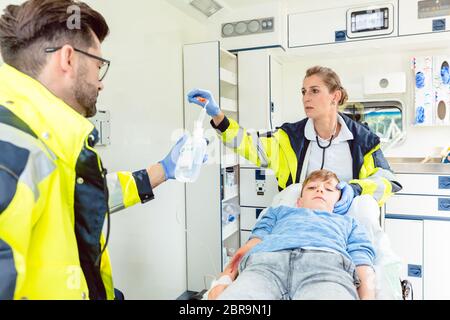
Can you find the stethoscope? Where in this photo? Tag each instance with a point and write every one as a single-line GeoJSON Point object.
{"type": "Point", "coordinates": [327, 146]}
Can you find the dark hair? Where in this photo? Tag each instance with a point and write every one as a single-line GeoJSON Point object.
{"type": "Point", "coordinates": [331, 80]}
{"type": "Point", "coordinates": [27, 29]}
{"type": "Point", "coordinates": [319, 175]}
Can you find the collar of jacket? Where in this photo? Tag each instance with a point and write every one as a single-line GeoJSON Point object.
{"type": "Point", "coordinates": [363, 141]}
{"type": "Point", "coordinates": [58, 125]}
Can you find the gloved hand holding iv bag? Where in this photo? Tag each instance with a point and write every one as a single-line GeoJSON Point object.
{"type": "Point", "coordinates": [170, 161]}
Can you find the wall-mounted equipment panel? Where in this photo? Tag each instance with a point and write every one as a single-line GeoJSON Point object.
{"type": "Point", "coordinates": [370, 21]}
{"type": "Point", "coordinates": [261, 25]}
{"type": "Point", "coordinates": [102, 122]}
{"type": "Point", "coordinates": [334, 25]}
{"type": "Point", "coordinates": [240, 28]}
{"type": "Point", "coordinates": [426, 16]}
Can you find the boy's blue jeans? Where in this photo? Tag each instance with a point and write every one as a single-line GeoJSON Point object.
{"type": "Point", "coordinates": [298, 274]}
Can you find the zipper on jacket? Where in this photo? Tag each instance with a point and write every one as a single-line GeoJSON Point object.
{"type": "Point", "coordinates": [15, 176]}
{"type": "Point", "coordinates": [108, 219]}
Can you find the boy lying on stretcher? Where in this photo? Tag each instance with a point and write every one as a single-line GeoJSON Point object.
{"type": "Point", "coordinates": [307, 252]}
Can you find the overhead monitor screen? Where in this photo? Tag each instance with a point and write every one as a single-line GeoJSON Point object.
{"type": "Point", "coordinates": [370, 20]}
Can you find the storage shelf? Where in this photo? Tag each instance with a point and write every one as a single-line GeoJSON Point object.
{"type": "Point", "coordinates": [228, 104]}
{"type": "Point", "coordinates": [230, 197]}
{"type": "Point", "coordinates": [229, 229]}
{"type": "Point", "coordinates": [229, 159]}
{"type": "Point", "coordinates": [227, 54]}
{"type": "Point", "coordinates": [228, 77]}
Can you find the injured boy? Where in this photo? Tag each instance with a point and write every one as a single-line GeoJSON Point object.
{"type": "Point", "coordinates": [307, 252]}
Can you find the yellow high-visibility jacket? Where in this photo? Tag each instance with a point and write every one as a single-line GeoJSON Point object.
{"type": "Point", "coordinates": [54, 197]}
{"type": "Point", "coordinates": [284, 152]}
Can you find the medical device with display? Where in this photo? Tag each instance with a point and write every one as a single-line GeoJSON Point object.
{"type": "Point", "coordinates": [370, 21]}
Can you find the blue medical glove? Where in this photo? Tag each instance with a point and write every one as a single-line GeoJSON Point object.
{"type": "Point", "coordinates": [169, 163]}
{"type": "Point", "coordinates": [342, 206]}
{"type": "Point", "coordinates": [212, 108]}
{"type": "Point", "coordinates": [420, 80]}
{"type": "Point", "coordinates": [420, 115]}
{"type": "Point", "coordinates": [445, 75]}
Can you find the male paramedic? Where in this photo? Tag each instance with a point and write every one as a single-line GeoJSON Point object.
{"type": "Point", "coordinates": [54, 191]}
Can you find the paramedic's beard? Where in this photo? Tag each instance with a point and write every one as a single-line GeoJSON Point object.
{"type": "Point", "coordinates": [86, 94]}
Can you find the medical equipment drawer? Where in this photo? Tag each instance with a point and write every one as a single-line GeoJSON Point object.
{"type": "Point", "coordinates": [423, 206]}
{"type": "Point", "coordinates": [425, 184]}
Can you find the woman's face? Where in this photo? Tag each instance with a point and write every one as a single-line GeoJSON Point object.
{"type": "Point", "coordinates": [317, 99]}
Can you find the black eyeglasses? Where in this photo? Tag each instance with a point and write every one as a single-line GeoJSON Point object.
{"type": "Point", "coordinates": [103, 70]}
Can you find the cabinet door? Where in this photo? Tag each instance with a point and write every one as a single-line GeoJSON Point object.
{"type": "Point", "coordinates": [276, 92]}
{"type": "Point", "coordinates": [430, 184]}
{"type": "Point", "coordinates": [415, 17]}
{"type": "Point", "coordinates": [325, 24]}
{"type": "Point", "coordinates": [261, 73]}
{"type": "Point", "coordinates": [254, 77]}
{"type": "Point", "coordinates": [203, 214]}
{"type": "Point", "coordinates": [406, 238]}
{"type": "Point", "coordinates": [436, 260]}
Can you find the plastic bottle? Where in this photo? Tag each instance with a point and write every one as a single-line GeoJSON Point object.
{"type": "Point", "coordinates": [229, 213]}
{"type": "Point", "coordinates": [192, 153]}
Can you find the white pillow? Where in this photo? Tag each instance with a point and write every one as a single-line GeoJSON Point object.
{"type": "Point", "coordinates": [288, 197]}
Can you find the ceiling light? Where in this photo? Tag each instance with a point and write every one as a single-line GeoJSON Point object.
{"type": "Point", "coordinates": [207, 7]}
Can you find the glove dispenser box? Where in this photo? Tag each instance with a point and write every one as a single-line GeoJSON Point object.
{"type": "Point", "coordinates": [441, 83]}
{"type": "Point", "coordinates": [424, 93]}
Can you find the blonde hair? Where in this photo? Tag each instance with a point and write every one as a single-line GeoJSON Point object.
{"type": "Point", "coordinates": [319, 175]}
{"type": "Point", "coordinates": [331, 80]}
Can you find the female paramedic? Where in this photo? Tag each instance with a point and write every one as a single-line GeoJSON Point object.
{"type": "Point", "coordinates": [326, 139]}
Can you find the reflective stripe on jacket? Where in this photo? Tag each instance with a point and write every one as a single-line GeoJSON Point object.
{"type": "Point", "coordinates": [53, 197]}
{"type": "Point", "coordinates": [284, 151]}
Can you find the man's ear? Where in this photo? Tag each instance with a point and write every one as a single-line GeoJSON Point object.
{"type": "Point", "coordinates": [67, 58]}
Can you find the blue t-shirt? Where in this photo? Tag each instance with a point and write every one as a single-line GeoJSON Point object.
{"type": "Point", "coordinates": [283, 228]}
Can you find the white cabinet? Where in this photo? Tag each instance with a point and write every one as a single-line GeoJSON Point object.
{"type": "Point", "coordinates": [329, 26]}
{"type": "Point", "coordinates": [207, 66]}
{"type": "Point", "coordinates": [343, 24]}
{"type": "Point", "coordinates": [259, 72]}
{"type": "Point", "coordinates": [233, 80]}
{"type": "Point", "coordinates": [436, 260]}
{"type": "Point", "coordinates": [418, 224]}
{"type": "Point", "coordinates": [407, 241]}
{"type": "Point", "coordinates": [416, 17]}
{"type": "Point", "coordinates": [258, 187]}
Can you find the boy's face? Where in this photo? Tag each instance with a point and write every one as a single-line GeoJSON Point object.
{"type": "Point", "coordinates": [320, 195]}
